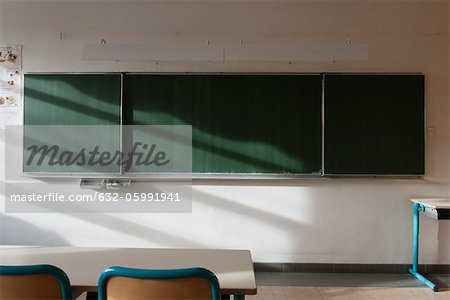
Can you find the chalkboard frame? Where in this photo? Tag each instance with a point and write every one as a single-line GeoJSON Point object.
{"type": "Point", "coordinates": [238, 176]}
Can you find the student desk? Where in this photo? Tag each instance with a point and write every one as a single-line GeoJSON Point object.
{"type": "Point", "coordinates": [437, 208]}
{"type": "Point", "coordinates": [233, 268]}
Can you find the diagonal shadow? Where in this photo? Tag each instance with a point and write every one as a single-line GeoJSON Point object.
{"type": "Point", "coordinates": [8, 236]}
{"type": "Point", "coordinates": [69, 105]}
{"type": "Point", "coordinates": [111, 222]}
{"type": "Point", "coordinates": [241, 209]}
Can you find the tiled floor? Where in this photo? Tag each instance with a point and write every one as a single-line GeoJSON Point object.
{"type": "Point", "coordinates": [320, 286]}
{"type": "Point", "coordinates": [347, 293]}
{"type": "Point", "coordinates": [281, 286]}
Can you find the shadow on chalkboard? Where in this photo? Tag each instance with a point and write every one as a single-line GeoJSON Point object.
{"type": "Point", "coordinates": [244, 123]}
{"type": "Point", "coordinates": [198, 144]}
{"type": "Point", "coordinates": [232, 132]}
{"type": "Point", "coordinates": [67, 104]}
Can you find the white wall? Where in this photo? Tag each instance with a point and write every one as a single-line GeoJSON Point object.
{"type": "Point", "coordinates": [329, 220]}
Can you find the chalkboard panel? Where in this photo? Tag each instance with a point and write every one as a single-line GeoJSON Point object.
{"type": "Point", "coordinates": [374, 124]}
{"type": "Point", "coordinates": [240, 123]}
{"type": "Point", "coordinates": [72, 100]}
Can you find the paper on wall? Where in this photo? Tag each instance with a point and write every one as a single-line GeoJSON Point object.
{"type": "Point", "coordinates": [10, 76]}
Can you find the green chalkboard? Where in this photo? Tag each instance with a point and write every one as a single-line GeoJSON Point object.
{"type": "Point", "coordinates": [77, 104]}
{"type": "Point", "coordinates": [374, 124]}
{"type": "Point", "coordinates": [240, 123]}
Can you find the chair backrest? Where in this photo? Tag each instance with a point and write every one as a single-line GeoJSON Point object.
{"type": "Point", "coordinates": [34, 282]}
{"type": "Point", "coordinates": [126, 283]}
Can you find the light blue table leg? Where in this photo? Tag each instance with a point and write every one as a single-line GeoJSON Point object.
{"type": "Point", "coordinates": [415, 266]}
{"type": "Point", "coordinates": [239, 297]}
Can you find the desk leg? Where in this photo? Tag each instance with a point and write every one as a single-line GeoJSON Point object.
{"type": "Point", "coordinates": [415, 266]}
{"type": "Point", "coordinates": [239, 297]}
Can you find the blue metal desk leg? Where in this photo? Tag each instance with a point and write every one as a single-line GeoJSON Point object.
{"type": "Point", "coordinates": [415, 266]}
{"type": "Point", "coordinates": [239, 297]}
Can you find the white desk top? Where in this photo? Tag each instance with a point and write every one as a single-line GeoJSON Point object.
{"type": "Point", "coordinates": [439, 203]}
{"type": "Point", "coordinates": [233, 268]}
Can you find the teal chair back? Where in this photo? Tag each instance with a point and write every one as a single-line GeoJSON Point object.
{"type": "Point", "coordinates": [125, 283]}
{"type": "Point", "coordinates": [34, 282]}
